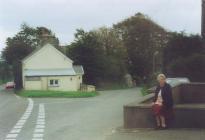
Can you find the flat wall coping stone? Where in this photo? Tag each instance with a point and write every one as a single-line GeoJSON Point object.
{"type": "Point", "coordinates": [178, 106]}
{"type": "Point", "coordinates": [143, 99]}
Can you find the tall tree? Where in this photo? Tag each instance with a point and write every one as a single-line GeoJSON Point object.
{"type": "Point", "coordinates": [101, 53]}
{"type": "Point", "coordinates": [184, 56]}
{"type": "Point", "coordinates": [142, 38]}
{"type": "Point", "coordinates": [5, 71]}
{"type": "Point", "coordinates": [116, 53]}
{"type": "Point", "coordinates": [23, 43]}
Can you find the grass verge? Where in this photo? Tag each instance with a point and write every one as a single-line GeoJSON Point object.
{"type": "Point", "coordinates": [144, 91]}
{"type": "Point", "coordinates": [60, 94]}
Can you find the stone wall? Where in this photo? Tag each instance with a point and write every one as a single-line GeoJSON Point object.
{"type": "Point", "coordinates": [189, 109]}
{"type": "Point", "coordinates": [193, 93]}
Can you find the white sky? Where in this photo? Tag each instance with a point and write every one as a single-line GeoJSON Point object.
{"type": "Point", "coordinates": [63, 17]}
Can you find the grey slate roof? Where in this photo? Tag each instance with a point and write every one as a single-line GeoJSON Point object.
{"type": "Point", "coordinates": [49, 72]}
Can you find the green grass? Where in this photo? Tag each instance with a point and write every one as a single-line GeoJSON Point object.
{"type": "Point", "coordinates": [61, 94]}
{"type": "Point", "coordinates": [144, 91]}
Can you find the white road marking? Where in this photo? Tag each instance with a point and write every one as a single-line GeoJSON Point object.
{"type": "Point", "coordinates": [21, 121]}
{"type": "Point", "coordinates": [39, 130]}
{"type": "Point", "coordinates": [24, 117]}
{"type": "Point", "coordinates": [41, 117]}
{"type": "Point", "coordinates": [11, 135]}
{"type": "Point", "coordinates": [17, 128]}
{"type": "Point", "coordinates": [40, 124]}
{"type": "Point", "coordinates": [37, 135]}
{"type": "Point", "coordinates": [15, 131]}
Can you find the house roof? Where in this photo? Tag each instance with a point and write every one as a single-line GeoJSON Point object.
{"type": "Point", "coordinates": [78, 69]}
{"type": "Point", "coordinates": [40, 48]}
{"type": "Point", "coordinates": [49, 72]}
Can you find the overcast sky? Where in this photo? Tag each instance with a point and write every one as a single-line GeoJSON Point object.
{"type": "Point", "coordinates": [63, 17]}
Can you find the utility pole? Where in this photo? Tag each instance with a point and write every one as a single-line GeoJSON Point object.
{"type": "Point", "coordinates": [203, 19]}
{"type": "Point", "coordinates": [154, 60]}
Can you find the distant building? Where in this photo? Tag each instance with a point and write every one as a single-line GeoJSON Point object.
{"type": "Point", "coordinates": [49, 69]}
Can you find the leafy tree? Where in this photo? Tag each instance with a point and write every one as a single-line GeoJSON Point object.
{"type": "Point", "coordinates": [116, 53]}
{"type": "Point", "coordinates": [182, 45]}
{"type": "Point", "coordinates": [142, 38]}
{"type": "Point", "coordinates": [101, 53]}
{"type": "Point", "coordinates": [17, 48]}
{"type": "Point", "coordinates": [5, 72]}
{"type": "Point", "coordinates": [184, 56]}
{"type": "Point", "coordinates": [23, 43]}
{"type": "Point", "coordinates": [85, 51]}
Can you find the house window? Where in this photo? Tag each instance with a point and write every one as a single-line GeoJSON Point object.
{"type": "Point", "coordinates": [71, 78]}
{"type": "Point", "coordinates": [51, 82]}
{"type": "Point", "coordinates": [54, 83]}
{"type": "Point", "coordinates": [79, 77]}
{"type": "Point", "coordinates": [32, 78]}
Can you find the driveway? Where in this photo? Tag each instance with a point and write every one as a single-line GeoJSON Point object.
{"type": "Point", "coordinates": [93, 118]}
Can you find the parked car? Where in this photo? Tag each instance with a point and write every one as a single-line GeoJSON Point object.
{"type": "Point", "coordinates": [10, 85]}
{"type": "Point", "coordinates": [173, 82]}
{"type": "Point", "coordinates": [176, 81]}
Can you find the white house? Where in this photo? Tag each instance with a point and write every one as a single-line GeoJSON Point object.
{"type": "Point", "coordinates": [49, 69]}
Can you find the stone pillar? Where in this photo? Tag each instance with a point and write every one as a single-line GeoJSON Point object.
{"type": "Point", "coordinates": [128, 80]}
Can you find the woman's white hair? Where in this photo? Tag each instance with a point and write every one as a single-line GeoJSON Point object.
{"type": "Point", "coordinates": [161, 76]}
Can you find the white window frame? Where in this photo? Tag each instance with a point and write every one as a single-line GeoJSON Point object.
{"type": "Point", "coordinates": [54, 83]}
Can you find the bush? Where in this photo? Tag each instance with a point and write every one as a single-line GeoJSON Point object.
{"type": "Point", "coordinates": [192, 67]}
{"type": "Point", "coordinates": [144, 91]}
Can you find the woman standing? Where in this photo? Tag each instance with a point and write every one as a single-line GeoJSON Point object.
{"type": "Point", "coordinates": [163, 102]}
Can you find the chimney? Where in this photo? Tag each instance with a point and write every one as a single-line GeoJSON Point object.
{"type": "Point", "coordinates": [45, 36]}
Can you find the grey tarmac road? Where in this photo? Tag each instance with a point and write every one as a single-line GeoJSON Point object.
{"type": "Point", "coordinates": [151, 134]}
{"type": "Point", "coordinates": [11, 109]}
{"type": "Point", "coordinates": [97, 118]}
{"type": "Point", "coordinates": [93, 118]}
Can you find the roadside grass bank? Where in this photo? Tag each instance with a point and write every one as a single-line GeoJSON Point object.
{"type": "Point", "coordinates": [59, 94]}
